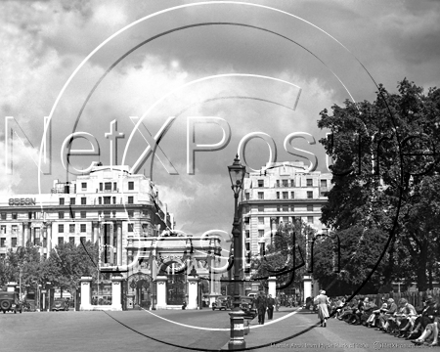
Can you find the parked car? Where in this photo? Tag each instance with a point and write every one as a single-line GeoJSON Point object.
{"type": "Point", "coordinates": [60, 304]}
{"type": "Point", "coordinates": [9, 302]}
{"type": "Point", "coordinates": [222, 303]}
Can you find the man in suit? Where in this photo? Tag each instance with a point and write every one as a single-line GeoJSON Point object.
{"type": "Point", "coordinates": [261, 305]}
{"type": "Point", "coordinates": [270, 304]}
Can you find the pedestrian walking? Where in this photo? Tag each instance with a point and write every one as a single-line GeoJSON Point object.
{"type": "Point", "coordinates": [322, 302]}
{"type": "Point", "coordinates": [270, 304]}
{"type": "Point", "coordinates": [261, 304]}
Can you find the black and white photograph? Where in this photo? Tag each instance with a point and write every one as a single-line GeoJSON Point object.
{"type": "Point", "coordinates": [250, 175]}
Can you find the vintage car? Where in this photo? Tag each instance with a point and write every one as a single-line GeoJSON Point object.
{"type": "Point", "coordinates": [222, 303]}
{"type": "Point", "coordinates": [60, 304]}
{"type": "Point", "coordinates": [9, 302]}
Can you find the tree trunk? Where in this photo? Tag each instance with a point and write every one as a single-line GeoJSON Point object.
{"type": "Point", "coordinates": [422, 284]}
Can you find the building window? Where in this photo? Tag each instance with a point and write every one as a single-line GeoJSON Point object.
{"type": "Point", "coordinates": [72, 201]}
{"type": "Point", "coordinates": [262, 248]}
{"type": "Point", "coordinates": [3, 216]}
{"type": "Point", "coordinates": [72, 240]}
{"type": "Point", "coordinates": [100, 186]}
{"type": "Point", "coordinates": [309, 207]}
{"type": "Point", "coordinates": [14, 216]}
{"type": "Point", "coordinates": [260, 195]}
{"type": "Point", "coordinates": [83, 227]}
{"type": "Point", "coordinates": [292, 183]}
{"type": "Point", "coordinates": [285, 195]}
{"type": "Point", "coordinates": [309, 182]}
{"type": "Point", "coordinates": [248, 246]}
{"type": "Point", "coordinates": [130, 200]}
{"type": "Point", "coordinates": [82, 239]}
{"type": "Point", "coordinates": [310, 194]}
{"type": "Point", "coordinates": [285, 183]}
{"type": "Point", "coordinates": [285, 208]}
{"type": "Point", "coordinates": [30, 215]}
{"type": "Point", "coordinates": [278, 207]}
{"type": "Point", "coordinates": [292, 195]}
{"type": "Point", "coordinates": [261, 208]}
{"type": "Point", "coordinates": [130, 186]}
{"type": "Point", "coordinates": [60, 228]}
{"type": "Point", "coordinates": [247, 233]}
{"type": "Point", "coordinates": [3, 229]}
{"type": "Point", "coordinates": [114, 200]}
{"type": "Point", "coordinates": [115, 186]}
{"type": "Point", "coordinates": [83, 200]}
{"type": "Point", "coordinates": [260, 183]}
{"type": "Point", "coordinates": [130, 227]}
{"type": "Point", "coordinates": [278, 195]}
{"type": "Point", "coordinates": [61, 201]}
{"type": "Point", "coordinates": [130, 213]}
{"type": "Point", "coordinates": [61, 215]}
{"type": "Point", "coordinates": [246, 195]}
{"type": "Point", "coordinates": [260, 233]}
{"type": "Point", "coordinates": [292, 207]}
{"type": "Point", "coordinates": [84, 186]}
{"type": "Point", "coordinates": [60, 241]}
{"type": "Point", "coordinates": [310, 219]}
{"type": "Point", "coordinates": [83, 214]}
{"type": "Point", "coordinates": [278, 183]}
{"type": "Point", "coordinates": [108, 186]}
{"type": "Point", "coordinates": [14, 242]}
{"type": "Point", "coordinates": [3, 242]}
{"type": "Point", "coordinates": [260, 220]}
{"type": "Point", "coordinates": [324, 183]}
{"type": "Point", "coordinates": [107, 200]}
{"type": "Point", "coordinates": [72, 228]}
{"type": "Point", "coordinates": [14, 229]}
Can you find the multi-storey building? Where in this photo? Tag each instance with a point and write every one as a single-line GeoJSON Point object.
{"type": "Point", "coordinates": [123, 212]}
{"type": "Point", "coordinates": [280, 192]}
{"type": "Point", "coordinates": [73, 211]}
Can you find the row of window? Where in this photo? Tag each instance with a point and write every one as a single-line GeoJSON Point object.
{"type": "Point", "coordinates": [101, 200]}
{"type": "Point", "coordinates": [262, 221]}
{"type": "Point", "coordinates": [280, 195]}
{"type": "Point", "coordinates": [283, 207]}
{"type": "Point", "coordinates": [83, 228]}
{"type": "Point", "coordinates": [107, 186]}
{"type": "Point", "coordinates": [291, 183]}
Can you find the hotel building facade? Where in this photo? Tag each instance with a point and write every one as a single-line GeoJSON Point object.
{"type": "Point", "coordinates": [279, 193]}
{"type": "Point", "coordinates": [135, 231]}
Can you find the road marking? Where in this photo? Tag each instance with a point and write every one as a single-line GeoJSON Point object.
{"type": "Point", "coordinates": [218, 329]}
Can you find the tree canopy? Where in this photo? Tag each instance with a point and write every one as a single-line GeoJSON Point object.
{"type": "Point", "coordinates": [386, 184]}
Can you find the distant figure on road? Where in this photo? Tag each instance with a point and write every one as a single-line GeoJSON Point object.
{"type": "Point", "coordinates": [261, 304]}
{"type": "Point", "coordinates": [322, 302]}
{"type": "Point", "coordinates": [270, 304]}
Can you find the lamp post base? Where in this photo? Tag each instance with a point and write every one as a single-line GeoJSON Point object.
{"type": "Point", "coordinates": [236, 340]}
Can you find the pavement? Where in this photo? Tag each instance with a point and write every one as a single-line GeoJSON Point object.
{"type": "Point", "coordinates": [296, 329]}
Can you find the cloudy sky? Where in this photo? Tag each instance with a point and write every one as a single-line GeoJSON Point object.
{"type": "Point", "coordinates": [222, 70]}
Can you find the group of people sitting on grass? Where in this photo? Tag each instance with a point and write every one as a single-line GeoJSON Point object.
{"type": "Point", "coordinates": [401, 319]}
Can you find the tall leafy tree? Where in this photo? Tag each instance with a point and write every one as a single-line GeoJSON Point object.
{"type": "Point", "coordinates": [385, 173]}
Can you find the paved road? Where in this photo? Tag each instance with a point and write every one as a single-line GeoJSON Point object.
{"type": "Point", "coordinates": [172, 331]}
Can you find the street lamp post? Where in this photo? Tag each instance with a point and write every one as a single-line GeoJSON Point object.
{"type": "Point", "coordinates": [237, 172]}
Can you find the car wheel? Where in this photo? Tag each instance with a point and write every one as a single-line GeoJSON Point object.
{"type": "Point", "coordinates": [5, 305]}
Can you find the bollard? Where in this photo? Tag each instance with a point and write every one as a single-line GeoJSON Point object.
{"type": "Point", "coordinates": [237, 331]}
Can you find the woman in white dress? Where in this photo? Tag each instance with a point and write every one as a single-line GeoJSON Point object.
{"type": "Point", "coordinates": [322, 302]}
